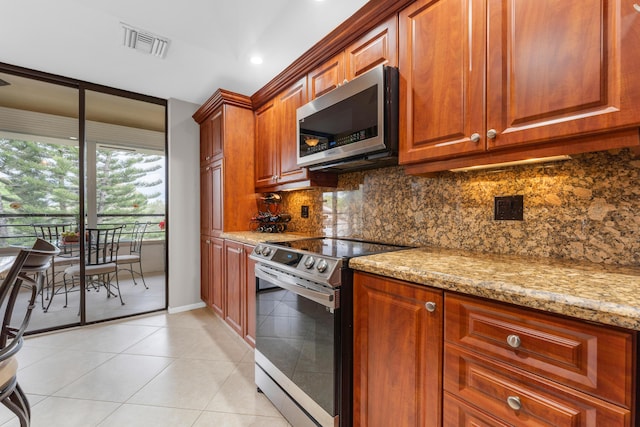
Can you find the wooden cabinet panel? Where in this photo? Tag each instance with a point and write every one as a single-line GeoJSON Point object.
{"type": "Point", "coordinates": [205, 269]}
{"type": "Point", "coordinates": [234, 277]}
{"type": "Point", "coordinates": [217, 294]}
{"type": "Point", "coordinates": [206, 190]}
{"type": "Point", "coordinates": [558, 69]}
{"type": "Point", "coordinates": [249, 297]}
{"type": "Point", "coordinates": [442, 79]}
{"type": "Point", "coordinates": [457, 413]}
{"type": "Point", "coordinates": [266, 148]}
{"type": "Point", "coordinates": [217, 197]}
{"type": "Point", "coordinates": [326, 77]}
{"type": "Point", "coordinates": [211, 138]}
{"type": "Point", "coordinates": [288, 103]}
{"type": "Point", "coordinates": [488, 81]}
{"type": "Point", "coordinates": [379, 46]}
{"type": "Point", "coordinates": [588, 357]}
{"type": "Point", "coordinates": [397, 353]}
{"type": "Point", "coordinates": [211, 198]}
{"type": "Point", "coordinates": [523, 399]}
{"type": "Point", "coordinates": [216, 276]}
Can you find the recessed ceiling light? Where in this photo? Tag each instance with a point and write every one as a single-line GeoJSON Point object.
{"type": "Point", "coordinates": [257, 60]}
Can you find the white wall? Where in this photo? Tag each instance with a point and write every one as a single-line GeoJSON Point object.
{"type": "Point", "coordinates": [184, 207]}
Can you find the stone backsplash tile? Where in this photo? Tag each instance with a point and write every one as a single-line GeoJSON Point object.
{"type": "Point", "coordinates": [586, 208]}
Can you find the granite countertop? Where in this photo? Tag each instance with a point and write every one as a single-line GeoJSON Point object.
{"type": "Point", "coordinates": [594, 292]}
{"type": "Point", "coordinates": [253, 237]}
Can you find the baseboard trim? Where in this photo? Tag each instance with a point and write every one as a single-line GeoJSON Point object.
{"type": "Point", "coordinates": [173, 310]}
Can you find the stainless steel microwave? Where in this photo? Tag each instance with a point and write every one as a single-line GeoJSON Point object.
{"type": "Point", "coordinates": [355, 126]}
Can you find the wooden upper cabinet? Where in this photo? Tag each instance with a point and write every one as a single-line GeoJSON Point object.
{"type": "Point", "coordinates": [266, 147]}
{"type": "Point", "coordinates": [327, 76]}
{"type": "Point", "coordinates": [295, 96]}
{"type": "Point", "coordinates": [442, 79]}
{"type": "Point", "coordinates": [489, 75]}
{"type": "Point", "coordinates": [558, 69]}
{"type": "Point", "coordinates": [378, 46]}
{"type": "Point", "coordinates": [211, 138]}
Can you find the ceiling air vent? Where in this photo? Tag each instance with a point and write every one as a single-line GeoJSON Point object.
{"type": "Point", "coordinates": [144, 41]}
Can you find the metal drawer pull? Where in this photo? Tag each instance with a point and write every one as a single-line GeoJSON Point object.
{"type": "Point", "coordinates": [475, 137]}
{"type": "Point", "coordinates": [514, 341]}
{"type": "Point", "coordinates": [431, 306]}
{"type": "Point", "coordinates": [636, 6]}
{"type": "Point", "coordinates": [514, 403]}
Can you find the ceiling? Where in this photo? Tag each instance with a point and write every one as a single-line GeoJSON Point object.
{"type": "Point", "coordinates": [211, 41]}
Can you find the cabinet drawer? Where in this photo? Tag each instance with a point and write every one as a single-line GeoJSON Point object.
{"type": "Point", "coordinates": [519, 398]}
{"type": "Point", "coordinates": [595, 359]}
{"type": "Point", "coordinates": [457, 413]}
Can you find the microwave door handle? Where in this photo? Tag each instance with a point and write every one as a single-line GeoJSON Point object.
{"type": "Point", "coordinates": [327, 300]}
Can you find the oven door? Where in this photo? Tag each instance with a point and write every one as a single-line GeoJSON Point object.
{"type": "Point", "coordinates": [297, 343]}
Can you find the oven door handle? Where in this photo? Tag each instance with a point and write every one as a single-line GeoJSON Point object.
{"type": "Point", "coordinates": [289, 283]}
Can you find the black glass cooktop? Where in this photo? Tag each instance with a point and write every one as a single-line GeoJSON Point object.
{"type": "Point", "coordinates": [338, 248]}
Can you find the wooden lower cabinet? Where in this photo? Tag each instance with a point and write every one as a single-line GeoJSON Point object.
{"type": "Point", "coordinates": [397, 353]}
{"type": "Point", "coordinates": [212, 273]}
{"type": "Point", "coordinates": [424, 357]}
{"type": "Point", "coordinates": [530, 368]}
{"type": "Point", "coordinates": [234, 274]}
{"type": "Point", "coordinates": [240, 290]}
{"type": "Point", "coordinates": [249, 297]}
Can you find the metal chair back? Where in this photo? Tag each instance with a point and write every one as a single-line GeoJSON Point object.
{"type": "Point", "coordinates": [102, 245]}
{"type": "Point", "coordinates": [51, 231]}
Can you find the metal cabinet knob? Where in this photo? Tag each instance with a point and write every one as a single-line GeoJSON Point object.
{"type": "Point", "coordinates": [514, 341]}
{"type": "Point", "coordinates": [636, 6]}
{"type": "Point", "coordinates": [475, 137]}
{"type": "Point", "coordinates": [430, 306]}
{"type": "Point", "coordinates": [491, 133]}
{"type": "Point", "coordinates": [514, 403]}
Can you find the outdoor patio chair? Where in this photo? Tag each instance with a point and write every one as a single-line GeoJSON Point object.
{"type": "Point", "coordinates": [101, 254]}
{"type": "Point", "coordinates": [53, 233]}
{"type": "Point", "coordinates": [135, 253]}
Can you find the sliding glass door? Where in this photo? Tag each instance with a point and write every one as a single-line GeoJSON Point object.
{"type": "Point", "coordinates": [125, 191]}
{"type": "Point", "coordinates": [66, 170]}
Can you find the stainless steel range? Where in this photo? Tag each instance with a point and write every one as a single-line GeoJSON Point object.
{"type": "Point", "coordinates": [304, 327]}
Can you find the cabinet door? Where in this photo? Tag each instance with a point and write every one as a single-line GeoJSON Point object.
{"type": "Point", "coordinates": [216, 276]}
{"type": "Point", "coordinates": [397, 353]}
{"type": "Point", "coordinates": [327, 76]}
{"type": "Point", "coordinates": [211, 138]}
{"type": "Point", "coordinates": [205, 266]}
{"type": "Point", "coordinates": [206, 200]}
{"type": "Point", "coordinates": [441, 79]}
{"type": "Point", "coordinates": [561, 68]}
{"type": "Point", "coordinates": [234, 270]}
{"type": "Point", "coordinates": [379, 46]}
{"type": "Point", "coordinates": [288, 103]}
{"type": "Point", "coordinates": [249, 297]}
{"type": "Point", "coordinates": [266, 145]}
{"type": "Point", "coordinates": [217, 197]}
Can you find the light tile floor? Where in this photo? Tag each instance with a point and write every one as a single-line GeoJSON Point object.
{"type": "Point", "coordinates": [173, 370]}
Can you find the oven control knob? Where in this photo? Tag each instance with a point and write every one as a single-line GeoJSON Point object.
{"type": "Point", "coordinates": [258, 250]}
{"type": "Point", "coordinates": [266, 251]}
{"type": "Point", "coordinates": [309, 262]}
{"type": "Point", "coordinates": [322, 266]}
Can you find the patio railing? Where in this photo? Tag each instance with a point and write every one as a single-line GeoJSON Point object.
{"type": "Point", "coordinates": [17, 229]}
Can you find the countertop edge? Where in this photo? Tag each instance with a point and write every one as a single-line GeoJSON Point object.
{"type": "Point", "coordinates": [624, 316]}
